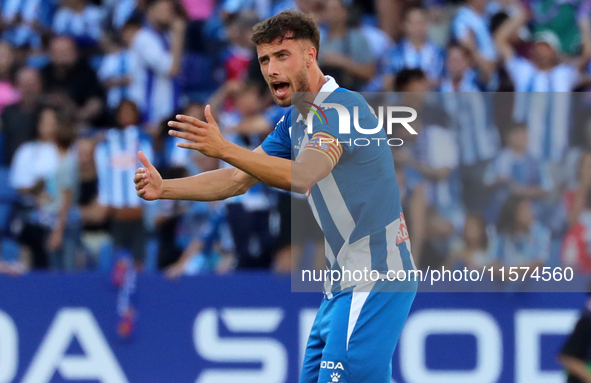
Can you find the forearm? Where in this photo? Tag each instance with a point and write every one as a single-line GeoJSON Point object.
{"type": "Point", "coordinates": [502, 39]}
{"type": "Point", "coordinates": [277, 172]}
{"type": "Point", "coordinates": [576, 367]}
{"type": "Point", "coordinates": [532, 192]}
{"type": "Point", "coordinates": [209, 186]}
{"type": "Point", "coordinates": [62, 219]}
{"type": "Point", "coordinates": [178, 43]}
{"type": "Point", "coordinates": [273, 171]}
{"type": "Point", "coordinates": [486, 67]}
{"type": "Point", "coordinates": [585, 28]}
{"type": "Point", "coordinates": [92, 108]}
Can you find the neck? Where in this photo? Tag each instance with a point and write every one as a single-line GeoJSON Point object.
{"type": "Point", "coordinates": [545, 66]}
{"type": "Point", "coordinates": [520, 229]}
{"type": "Point", "coordinates": [519, 151]}
{"type": "Point", "coordinates": [317, 80]}
{"type": "Point", "coordinates": [417, 41]}
{"type": "Point", "coordinates": [154, 25]}
{"type": "Point", "coordinates": [477, 9]}
{"type": "Point", "coordinates": [456, 81]}
{"type": "Point", "coordinates": [79, 7]}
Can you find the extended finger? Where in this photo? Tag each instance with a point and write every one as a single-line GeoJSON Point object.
{"type": "Point", "coordinates": [188, 145]}
{"type": "Point", "coordinates": [208, 115]}
{"type": "Point", "coordinates": [184, 126]}
{"type": "Point", "coordinates": [144, 160]}
{"type": "Point", "coordinates": [191, 120]}
{"type": "Point", "coordinates": [183, 135]}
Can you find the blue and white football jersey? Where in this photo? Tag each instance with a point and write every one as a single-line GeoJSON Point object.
{"type": "Point", "coordinates": [358, 204]}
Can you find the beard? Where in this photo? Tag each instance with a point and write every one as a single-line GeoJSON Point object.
{"type": "Point", "coordinates": [300, 85]}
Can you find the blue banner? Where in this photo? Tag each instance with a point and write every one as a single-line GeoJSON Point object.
{"type": "Point", "coordinates": [250, 328]}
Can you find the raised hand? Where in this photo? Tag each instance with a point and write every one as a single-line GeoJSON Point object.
{"type": "Point", "coordinates": [202, 136]}
{"type": "Point", "coordinates": [148, 182]}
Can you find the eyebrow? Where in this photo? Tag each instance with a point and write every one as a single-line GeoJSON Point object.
{"type": "Point", "coordinates": [273, 54]}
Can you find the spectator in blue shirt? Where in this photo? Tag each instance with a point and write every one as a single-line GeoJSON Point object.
{"type": "Point", "coordinates": [414, 51]}
{"type": "Point", "coordinates": [80, 21]}
{"type": "Point", "coordinates": [516, 172]}
{"type": "Point", "coordinates": [521, 240]}
{"type": "Point", "coordinates": [470, 28]}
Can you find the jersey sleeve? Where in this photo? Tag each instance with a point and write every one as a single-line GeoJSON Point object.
{"type": "Point", "coordinates": [278, 142]}
{"type": "Point", "coordinates": [332, 120]}
{"type": "Point", "coordinates": [101, 159]}
{"type": "Point", "coordinates": [149, 49]}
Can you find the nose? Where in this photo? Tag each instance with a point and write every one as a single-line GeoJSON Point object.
{"type": "Point", "coordinates": [272, 69]}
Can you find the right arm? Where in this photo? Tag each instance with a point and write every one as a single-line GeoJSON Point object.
{"type": "Point", "coordinates": [209, 186]}
{"type": "Point", "coordinates": [506, 30]}
{"type": "Point", "coordinates": [575, 367]}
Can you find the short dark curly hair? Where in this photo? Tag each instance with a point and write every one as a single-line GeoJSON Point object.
{"type": "Point", "coordinates": [285, 26]}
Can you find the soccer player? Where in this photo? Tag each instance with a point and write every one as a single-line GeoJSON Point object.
{"type": "Point", "coordinates": [351, 189]}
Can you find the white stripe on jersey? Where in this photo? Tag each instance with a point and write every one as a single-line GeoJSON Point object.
{"type": "Point", "coordinates": [543, 100]}
{"type": "Point", "coordinates": [152, 88]}
{"type": "Point", "coordinates": [87, 23]}
{"type": "Point", "coordinates": [116, 159]}
{"type": "Point", "coordinates": [335, 203]}
{"type": "Point", "coordinates": [357, 301]}
{"type": "Point", "coordinates": [466, 21]}
{"type": "Point", "coordinates": [473, 122]}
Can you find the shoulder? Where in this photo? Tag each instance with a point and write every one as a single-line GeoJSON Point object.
{"type": "Point", "coordinates": [26, 149]}
{"type": "Point", "coordinates": [61, 13]}
{"type": "Point", "coordinates": [92, 10]}
{"type": "Point", "coordinates": [285, 120]}
{"type": "Point", "coordinates": [461, 15]}
{"type": "Point", "coordinates": [145, 37]}
{"type": "Point", "coordinates": [567, 69]}
{"type": "Point", "coordinates": [345, 97]}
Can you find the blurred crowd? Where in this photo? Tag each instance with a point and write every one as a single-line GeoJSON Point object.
{"type": "Point", "coordinates": [500, 172]}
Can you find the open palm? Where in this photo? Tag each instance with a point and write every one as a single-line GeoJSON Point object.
{"type": "Point", "coordinates": [148, 182]}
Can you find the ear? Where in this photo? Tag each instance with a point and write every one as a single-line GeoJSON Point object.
{"type": "Point", "coordinates": [311, 55]}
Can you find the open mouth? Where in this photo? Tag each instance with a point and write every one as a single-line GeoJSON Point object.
{"type": "Point", "coordinates": [280, 89]}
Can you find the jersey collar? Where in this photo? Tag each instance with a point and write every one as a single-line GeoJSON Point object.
{"type": "Point", "coordinates": [329, 86]}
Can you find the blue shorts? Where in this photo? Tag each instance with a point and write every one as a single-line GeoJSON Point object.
{"type": "Point", "coordinates": [355, 333]}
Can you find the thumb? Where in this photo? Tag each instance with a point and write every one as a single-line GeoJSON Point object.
{"type": "Point", "coordinates": [144, 160]}
{"type": "Point", "coordinates": [208, 115]}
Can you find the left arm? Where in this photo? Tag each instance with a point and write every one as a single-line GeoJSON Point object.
{"type": "Point", "coordinates": [57, 234]}
{"type": "Point", "coordinates": [300, 175]}
{"type": "Point", "coordinates": [583, 59]}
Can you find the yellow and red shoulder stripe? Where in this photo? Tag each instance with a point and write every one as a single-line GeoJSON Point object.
{"type": "Point", "coordinates": [325, 143]}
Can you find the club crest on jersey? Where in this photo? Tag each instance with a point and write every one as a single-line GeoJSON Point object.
{"type": "Point", "coordinates": [402, 231]}
{"type": "Point", "coordinates": [334, 377]}
{"type": "Point", "coordinates": [299, 145]}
